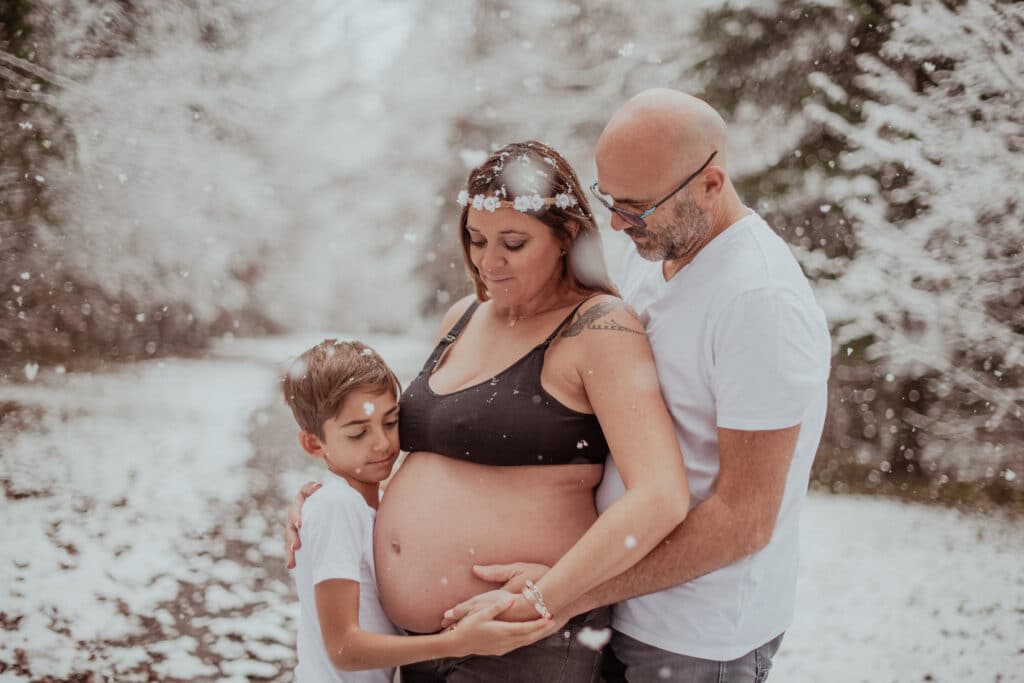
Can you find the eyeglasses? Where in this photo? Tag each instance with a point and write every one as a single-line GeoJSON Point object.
{"type": "Point", "coordinates": [636, 220]}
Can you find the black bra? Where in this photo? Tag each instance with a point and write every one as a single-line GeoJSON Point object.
{"type": "Point", "coordinates": [507, 420]}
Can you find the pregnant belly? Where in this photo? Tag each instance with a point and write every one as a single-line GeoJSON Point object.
{"type": "Point", "coordinates": [441, 516]}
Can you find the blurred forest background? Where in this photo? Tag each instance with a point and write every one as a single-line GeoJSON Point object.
{"type": "Point", "coordinates": [174, 171]}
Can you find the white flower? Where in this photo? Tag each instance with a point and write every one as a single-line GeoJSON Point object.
{"type": "Point", "coordinates": [478, 202]}
{"type": "Point", "coordinates": [463, 198]}
{"type": "Point", "coordinates": [522, 204]}
{"type": "Point", "coordinates": [491, 203]}
{"type": "Point", "coordinates": [564, 200]}
{"type": "Point", "coordinates": [536, 202]}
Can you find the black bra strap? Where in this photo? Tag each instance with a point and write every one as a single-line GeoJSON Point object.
{"type": "Point", "coordinates": [450, 337]}
{"type": "Point", "coordinates": [551, 337]}
{"type": "Point", "coordinates": [457, 328]}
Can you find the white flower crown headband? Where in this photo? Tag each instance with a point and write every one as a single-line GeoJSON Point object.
{"type": "Point", "coordinates": [523, 203]}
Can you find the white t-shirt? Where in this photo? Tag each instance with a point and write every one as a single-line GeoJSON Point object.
{"type": "Point", "coordinates": [740, 343]}
{"type": "Point", "coordinates": [337, 543]}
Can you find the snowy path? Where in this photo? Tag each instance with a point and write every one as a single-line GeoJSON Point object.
{"type": "Point", "coordinates": [140, 533]}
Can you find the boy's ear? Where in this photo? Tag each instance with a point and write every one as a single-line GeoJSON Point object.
{"type": "Point", "coordinates": [311, 444]}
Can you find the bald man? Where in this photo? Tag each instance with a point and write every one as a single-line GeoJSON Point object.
{"type": "Point", "coordinates": [742, 351]}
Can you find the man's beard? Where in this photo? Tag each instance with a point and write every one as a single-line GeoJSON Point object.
{"type": "Point", "coordinates": [682, 236]}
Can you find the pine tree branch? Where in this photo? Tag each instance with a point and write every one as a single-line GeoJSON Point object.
{"type": "Point", "coordinates": [36, 70]}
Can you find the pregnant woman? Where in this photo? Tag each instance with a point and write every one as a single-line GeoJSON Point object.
{"type": "Point", "coordinates": [533, 382]}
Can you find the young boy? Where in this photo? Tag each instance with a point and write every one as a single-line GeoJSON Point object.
{"type": "Point", "coordinates": [344, 399]}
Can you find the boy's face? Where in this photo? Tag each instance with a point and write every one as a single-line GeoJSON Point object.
{"type": "Point", "coordinates": [361, 441]}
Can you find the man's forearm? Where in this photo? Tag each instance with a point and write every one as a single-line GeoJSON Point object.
{"type": "Point", "coordinates": [712, 536]}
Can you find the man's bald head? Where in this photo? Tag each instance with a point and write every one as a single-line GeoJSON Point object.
{"type": "Point", "coordinates": [660, 133]}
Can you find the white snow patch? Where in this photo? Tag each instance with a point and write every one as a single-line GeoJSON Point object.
{"type": "Point", "coordinates": [594, 639]}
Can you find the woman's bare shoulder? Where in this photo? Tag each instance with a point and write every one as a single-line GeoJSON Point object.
{"type": "Point", "coordinates": [603, 313]}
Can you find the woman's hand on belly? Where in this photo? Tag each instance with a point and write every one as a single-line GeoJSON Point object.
{"type": "Point", "coordinates": [511, 577]}
{"type": "Point", "coordinates": [520, 609]}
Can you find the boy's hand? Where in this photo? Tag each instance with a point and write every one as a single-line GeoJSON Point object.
{"type": "Point", "coordinates": [481, 634]}
{"type": "Point", "coordinates": [294, 523]}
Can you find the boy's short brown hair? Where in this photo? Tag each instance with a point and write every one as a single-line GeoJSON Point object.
{"type": "Point", "coordinates": [318, 381]}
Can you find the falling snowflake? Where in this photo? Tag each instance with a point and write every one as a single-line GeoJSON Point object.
{"type": "Point", "coordinates": [581, 444]}
{"type": "Point", "coordinates": [593, 638]}
{"type": "Point", "coordinates": [369, 408]}
{"type": "Point", "coordinates": [31, 370]}
{"type": "Point", "coordinates": [631, 541]}
{"type": "Point", "coordinates": [297, 371]}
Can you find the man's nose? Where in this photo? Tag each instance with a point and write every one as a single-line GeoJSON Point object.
{"type": "Point", "coordinates": [619, 223]}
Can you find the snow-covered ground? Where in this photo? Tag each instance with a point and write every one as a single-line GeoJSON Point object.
{"type": "Point", "coordinates": [141, 539]}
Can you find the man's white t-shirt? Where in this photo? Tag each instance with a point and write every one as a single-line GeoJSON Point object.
{"type": "Point", "coordinates": [337, 543]}
{"type": "Point", "coordinates": [739, 343]}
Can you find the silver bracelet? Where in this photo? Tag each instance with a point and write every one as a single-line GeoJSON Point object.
{"type": "Point", "coordinates": [532, 594]}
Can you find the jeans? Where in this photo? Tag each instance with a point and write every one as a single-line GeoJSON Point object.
{"type": "Point", "coordinates": [559, 658]}
{"type": "Point", "coordinates": [628, 660]}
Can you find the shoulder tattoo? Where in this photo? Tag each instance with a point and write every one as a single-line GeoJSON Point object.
{"type": "Point", "coordinates": [591, 319]}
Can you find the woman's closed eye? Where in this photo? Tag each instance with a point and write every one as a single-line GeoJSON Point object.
{"type": "Point", "coordinates": [511, 246]}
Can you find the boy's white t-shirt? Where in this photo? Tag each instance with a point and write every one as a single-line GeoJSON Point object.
{"type": "Point", "coordinates": [740, 343]}
{"type": "Point", "coordinates": [337, 543]}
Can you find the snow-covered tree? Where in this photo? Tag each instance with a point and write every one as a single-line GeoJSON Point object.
{"type": "Point", "coordinates": [553, 72]}
{"type": "Point", "coordinates": [203, 167]}
{"type": "Point", "coordinates": [895, 170]}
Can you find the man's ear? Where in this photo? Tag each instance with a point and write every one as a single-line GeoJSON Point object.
{"type": "Point", "coordinates": [311, 444]}
{"type": "Point", "coordinates": [712, 183]}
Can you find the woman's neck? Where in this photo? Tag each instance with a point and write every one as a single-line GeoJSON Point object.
{"type": "Point", "coordinates": [538, 306]}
